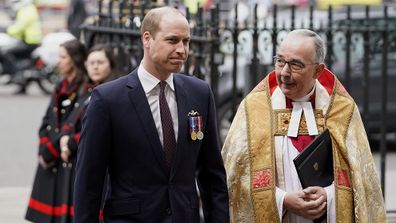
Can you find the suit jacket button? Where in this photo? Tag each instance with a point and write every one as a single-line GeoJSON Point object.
{"type": "Point", "coordinates": [168, 211]}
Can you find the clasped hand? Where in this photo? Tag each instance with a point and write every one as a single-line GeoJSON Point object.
{"type": "Point", "coordinates": [65, 151]}
{"type": "Point", "coordinates": [310, 203]}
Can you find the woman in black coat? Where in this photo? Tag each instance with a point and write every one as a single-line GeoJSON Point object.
{"type": "Point", "coordinates": [100, 65]}
{"type": "Point", "coordinates": [48, 202]}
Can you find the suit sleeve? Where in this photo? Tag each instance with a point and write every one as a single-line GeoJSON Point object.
{"type": "Point", "coordinates": [92, 161]}
{"type": "Point", "coordinates": [211, 173]}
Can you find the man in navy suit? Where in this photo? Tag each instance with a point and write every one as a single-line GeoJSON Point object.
{"type": "Point", "coordinates": [155, 133]}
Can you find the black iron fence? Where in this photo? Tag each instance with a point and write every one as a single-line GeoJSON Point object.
{"type": "Point", "coordinates": [233, 55]}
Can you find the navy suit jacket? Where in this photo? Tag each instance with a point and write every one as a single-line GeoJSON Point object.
{"type": "Point", "coordinates": [119, 136]}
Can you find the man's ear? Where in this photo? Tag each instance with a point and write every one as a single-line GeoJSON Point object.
{"type": "Point", "coordinates": [319, 70]}
{"type": "Point", "coordinates": [146, 38]}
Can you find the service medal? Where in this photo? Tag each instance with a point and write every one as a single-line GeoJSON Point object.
{"type": "Point", "coordinates": [200, 135]}
{"type": "Point", "coordinates": [194, 136]}
{"type": "Point", "coordinates": [195, 125]}
{"type": "Point", "coordinates": [192, 121]}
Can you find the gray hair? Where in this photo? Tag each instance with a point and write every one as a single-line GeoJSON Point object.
{"type": "Point", "coordinates": [320, 47]}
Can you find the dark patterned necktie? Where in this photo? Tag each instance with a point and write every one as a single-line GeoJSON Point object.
{"type": "Point", "coordinates": [168, 133]}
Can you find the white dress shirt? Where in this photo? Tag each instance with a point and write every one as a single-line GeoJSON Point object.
{"type": "Point", "coordinates": [152, 90]}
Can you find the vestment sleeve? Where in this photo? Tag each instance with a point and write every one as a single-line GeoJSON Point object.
{"type": "Point", "coordinates": [366, 186]}
{"type": "Point", "coordinates": [237, 163]}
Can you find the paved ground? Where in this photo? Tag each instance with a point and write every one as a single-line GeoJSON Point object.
{"type": "Point", "coordinates": [20, 117]}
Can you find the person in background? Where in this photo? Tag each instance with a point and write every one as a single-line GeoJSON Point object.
{"type": "Point", "coordinates": [264, 139]}
{"type": "Point", "coordinates": [100, 65]}
{"type": "Point", "coordinates": [49, 202]}
{"type": "Point", "coordinates": [155, 133]}
{"type": "Point", "coordinates": [76, 16]}
{"type": "Point", "coordinates": [26, 28]}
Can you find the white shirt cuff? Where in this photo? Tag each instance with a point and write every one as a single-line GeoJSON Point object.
{"type": "Point", "coordinates": [280, 196]}
{"type": "Point", "coordinates": [330, 193]}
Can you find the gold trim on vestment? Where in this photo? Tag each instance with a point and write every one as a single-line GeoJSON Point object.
{"type": "Point", "coordinates": [262, 156]}
{"type": "Point", "coordinates": [341, 113]}
{"type": "Point", "coordinates": [282, 122]}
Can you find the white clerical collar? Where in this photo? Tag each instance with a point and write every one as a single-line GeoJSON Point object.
{"type": "Point", "coordinates": [149, 81]}
{"type": "Point", "coordinates": [300, 105]}
{"type": "Point", "coordinates": [308, 96]}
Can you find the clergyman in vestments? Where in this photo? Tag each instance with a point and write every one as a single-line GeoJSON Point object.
{"type": "Point", "coordinates": [273, 125]}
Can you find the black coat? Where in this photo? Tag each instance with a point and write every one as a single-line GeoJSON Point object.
{"type": "Point", "coordinates": [72, 126]}
{"type": "Point", "coordinates": [50, 201]}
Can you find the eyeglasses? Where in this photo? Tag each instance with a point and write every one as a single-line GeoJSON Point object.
{"type": "Point", "coordinates": [295, 66]}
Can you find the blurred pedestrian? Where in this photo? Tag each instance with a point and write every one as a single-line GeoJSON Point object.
{"type": "Point", "coordinates": [155, 131]}
{"type": "Point", "coordinates": [26, 28]}
{"type": "Point", "coordinates": [50, 199]}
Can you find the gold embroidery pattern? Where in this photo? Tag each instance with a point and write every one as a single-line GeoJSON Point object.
{"type": "Point", "coordinates": [282, 121]}
{"type": "Point", "coordinates": [262, 179]}
{"type": "Point", "coordinates": [261, 154]}
{"type": "Point", "coordinates": [342, 178]}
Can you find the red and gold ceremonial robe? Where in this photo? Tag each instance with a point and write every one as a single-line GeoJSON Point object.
{"type": "Point", "coordinates": [253, 159]}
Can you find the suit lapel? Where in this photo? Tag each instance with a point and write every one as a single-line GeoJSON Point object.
{"type": "Point", "coordinates": [139, 100]}
{"type": "Point", "coordinates": [182, 111]}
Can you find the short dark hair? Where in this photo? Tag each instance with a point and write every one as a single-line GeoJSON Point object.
{"type": "Point", "coordinates": [108, 50]}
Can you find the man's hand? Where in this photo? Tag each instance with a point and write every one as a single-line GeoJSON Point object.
{"type": "Point", "coordinates": [309, 203]}
{"type": "Point", "coordinates": [313, 193]}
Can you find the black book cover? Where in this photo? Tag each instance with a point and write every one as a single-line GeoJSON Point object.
{"type": "Point", "coordinates": [314, 164]}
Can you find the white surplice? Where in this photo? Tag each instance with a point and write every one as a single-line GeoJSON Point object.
{"type": "Point", "coordinates": [288, 153]}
